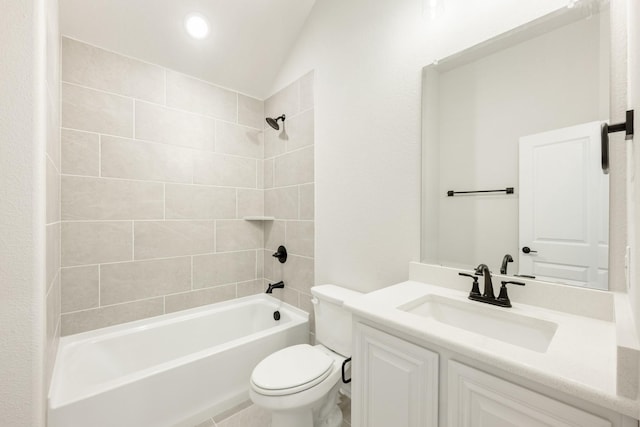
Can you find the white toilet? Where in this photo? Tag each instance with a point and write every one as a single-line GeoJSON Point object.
{"type": "Point", "coordinates": [300, 384]}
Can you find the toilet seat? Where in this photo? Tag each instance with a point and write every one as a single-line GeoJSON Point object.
{"type": "Point", "coordinates": [291, 370]}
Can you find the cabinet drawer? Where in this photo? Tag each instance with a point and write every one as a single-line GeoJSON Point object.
{"type": "Point", "coordinates": [477, 399]}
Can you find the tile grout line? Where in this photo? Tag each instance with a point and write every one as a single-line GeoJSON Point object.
{"type": "Point", "coordinates": [142, 61]}
{"type": "Point", "coordinates": [165, 106]}
{"type": "Point", "coordinates": [171, 182]}
{"type": "Point", "coordinates": [241, 251]}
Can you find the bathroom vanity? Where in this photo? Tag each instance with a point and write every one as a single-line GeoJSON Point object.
{"type": "Point", "coordinates": [427, 356]}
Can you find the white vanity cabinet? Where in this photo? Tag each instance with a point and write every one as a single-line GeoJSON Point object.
{"type": "Point", "coordinates": [396, 383]}
{"type": "Point", "coordinates": [477, 399]}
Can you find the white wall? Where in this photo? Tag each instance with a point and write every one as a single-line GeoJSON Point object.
{"type": "Point", "coordinates": [633, 102]}
{"type": "Point", "coordinates": [22, 215]}
{"type": "Point", "coordinates": [368, 56]}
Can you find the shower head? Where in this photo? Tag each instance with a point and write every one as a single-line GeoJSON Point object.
{"type": "Point", "coordinates": [274, 122]}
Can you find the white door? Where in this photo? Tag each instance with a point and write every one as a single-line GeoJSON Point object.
{"type": "Point", "coordinates": [395, 383]}
{"type": "Point", "coordinates": [563, 208]}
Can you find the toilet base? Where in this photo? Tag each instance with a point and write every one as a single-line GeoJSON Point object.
{"type": "Point", "coordinates": [324, 413]}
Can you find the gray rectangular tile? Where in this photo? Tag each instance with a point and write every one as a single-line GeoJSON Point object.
{"type": "Point", "coordinates": [52, 127]}
{"type": "Point", "coordinates": [91, 66]}
{"type": "Point", "coordinates": [160, 124]}
{"type": "Point", "coordinates": [274, 234]}
{"type": "Point", "coordinates": [286, 294]}
{"type": "Point", "coordinates": [253, 416]}
{"type": "Point", "coordinates": [134, 159]}
{"type": "Point", "coordinates": [96, 242]}
{"type": "Point", "coordinates": [199, 202]}
{"type": "Point", "coordinates": [53, 192]}
{"type": "Point", "coordinates": [224, 170]}
{"type": "Point", "coordinates": [294, 168]}
{"type": "Point", "coordinates": [85, 198]}
{"type": "Point", "coordinates": [307, 201]}
{"type": "Point", "coordinates": [298, 273]}
{"type": "Point", "coordinates": [80, 153]}
{"type": "Point", "coordinates": [224, 268]}
{"type": "Point", "coordinates": [301, 130]}
{"type": "Point", "coordinates": [239, 140]}
{"type": "Point", "coordinates": [281, 203]}
{"type": "Point", "coordinates": [275, 141]}
{"type": "Point", "coordinates": [250, 202]}
{"type": "Point", "coordinates": [130, 281]}
{"type": "Point", "coordinates": [269, 265]}
{"type": "Point", "coordinates": [52, 322]}
{"type": "Point", "coordinates": [238, 235]}
{"type": "Point", "coordinates": [80, 288]}
{"type": "Point", "coordinates": [87, 320]}
{"type": "Point", "coordinates": [252, 287]}
{"type": "Point", "coordinates": [250, 112]}
{"type": "Point", "coordinates": [52, 259]}
{"type": "Point", "coordinates": [286, 101]}
{"type": "Point", "coordinates": [199, 298]}
{"type": "Point", "coordinates": [162, 239]}
{"type": "Point", "coordinates": [95, 111]}
{"type": "Point", "coordinates": [188, 93]}
{"type": "Point", "coordinates": [268, 173]}
{"type": "Point", "coordinates": [300, 238]}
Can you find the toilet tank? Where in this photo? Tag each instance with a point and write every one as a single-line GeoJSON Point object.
{"type": "Point", "coordinates": [332, 320]}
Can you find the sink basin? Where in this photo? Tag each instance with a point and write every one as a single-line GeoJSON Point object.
{"type": "Point", "coordinates": [500, 324]}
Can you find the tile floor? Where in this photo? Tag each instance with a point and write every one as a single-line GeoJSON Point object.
{"type": "Point", "coordinates": [249, 415]}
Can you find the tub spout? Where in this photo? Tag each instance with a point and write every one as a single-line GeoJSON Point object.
{"type": "Point", "coordinates": [273, 286]}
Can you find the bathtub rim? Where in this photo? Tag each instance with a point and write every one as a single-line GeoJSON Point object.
{"type": "Point", "coordinates": [298, 317]}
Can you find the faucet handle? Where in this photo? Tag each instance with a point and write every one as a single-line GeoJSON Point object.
{"type": "Point", "coordinates": [511, 282]}
{"type": "Point", "coordinates": [475, 288]}
{"type": "Point", "coordinates": [503, 297]}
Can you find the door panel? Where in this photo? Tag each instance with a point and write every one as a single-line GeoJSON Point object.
{"type": "Point", "coordinates": [562, 218]}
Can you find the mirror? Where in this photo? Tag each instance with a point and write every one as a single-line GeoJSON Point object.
{"type": "Point", "coordinates": [520, 111]}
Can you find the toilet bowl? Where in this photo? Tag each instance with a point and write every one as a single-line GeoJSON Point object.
{"type": "Point", "coordinates": [299, 384]}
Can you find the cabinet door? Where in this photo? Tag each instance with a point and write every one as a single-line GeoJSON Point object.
{"type": "Point", "coordinates": [477, 399]}
{"type": "Point", "coordinates": [395, 383]}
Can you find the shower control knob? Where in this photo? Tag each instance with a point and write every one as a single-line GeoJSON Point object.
{"type": "Point", "coordinates": [527, 250]}
{"type": "Point", "coordinates": [281, 254]}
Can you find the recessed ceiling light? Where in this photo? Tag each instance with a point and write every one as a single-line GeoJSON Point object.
{"type": "Point", "coordinates": [197, 26]}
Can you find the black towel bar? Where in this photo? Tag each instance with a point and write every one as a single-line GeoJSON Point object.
{"type": "Point", "coordinates": [508, 190]}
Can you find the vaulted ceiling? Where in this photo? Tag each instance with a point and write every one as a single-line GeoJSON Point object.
{"type": "Point", "coordinates": [248, 42]}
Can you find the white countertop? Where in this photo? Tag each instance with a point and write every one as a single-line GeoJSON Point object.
{"type": "Point", "coordinates": [581, 359]}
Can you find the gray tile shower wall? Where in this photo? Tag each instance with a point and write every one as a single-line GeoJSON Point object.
{"type": "Point", "coordinates": [289, 191]}
{"type": "Point", "coordinates": [158, 170]}
{"type": "Point", "coordinates": [53, 167]}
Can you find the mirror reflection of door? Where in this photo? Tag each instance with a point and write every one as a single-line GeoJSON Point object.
{"type": "Point", "coordinates": [563, 229]}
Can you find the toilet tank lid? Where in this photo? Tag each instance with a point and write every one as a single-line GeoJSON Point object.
{"type": "Point", "coordinates": [334, 294]}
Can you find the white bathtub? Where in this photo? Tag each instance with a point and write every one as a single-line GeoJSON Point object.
{"type": "Point", "coordinates": [172, 370]}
